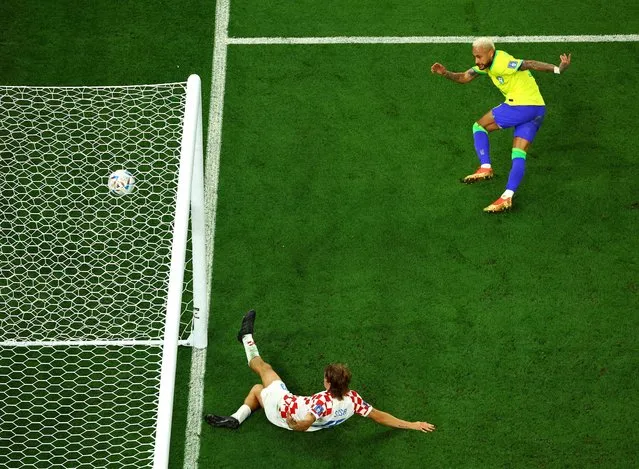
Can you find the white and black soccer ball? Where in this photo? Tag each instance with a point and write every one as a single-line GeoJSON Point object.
{"type": "Point", "coordinates": [121, 182]}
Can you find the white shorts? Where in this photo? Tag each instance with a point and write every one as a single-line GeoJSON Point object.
{"type": "Point", "coordinates": [272, 398]}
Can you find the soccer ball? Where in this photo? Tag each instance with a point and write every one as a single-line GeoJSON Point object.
{"type": "Point", "coordinates": [121, 182]}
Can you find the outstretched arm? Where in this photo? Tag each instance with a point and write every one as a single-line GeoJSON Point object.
{"type": "Point", "coordinates": [461, 77]}
{"type": "Point", "coordinates": [389, 420]}
{"type": "Point", "coordinates": [544, 67]}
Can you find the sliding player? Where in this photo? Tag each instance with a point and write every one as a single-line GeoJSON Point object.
{"type": "Point", "coordinates": [524, 109]}
{"type": "Point", "coordinates": [328, 408]}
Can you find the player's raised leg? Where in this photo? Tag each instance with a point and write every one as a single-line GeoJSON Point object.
{"type": "Point", "coordinates": [245, 336]}
{"type": "Point", "coordinates": [255, 362]}
{"type": "Point", "coordinates": [253, 400]}
{"type": "Point", "coordinates": [481, 128]}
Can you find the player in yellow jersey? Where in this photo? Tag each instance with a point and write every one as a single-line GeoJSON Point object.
{"type": "Point", "coordinates": [524, 109]}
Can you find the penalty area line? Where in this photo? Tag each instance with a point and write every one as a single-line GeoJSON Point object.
{"type": "Point", "coordinates": [251, 41]}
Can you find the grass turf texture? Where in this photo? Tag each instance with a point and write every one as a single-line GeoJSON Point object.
{"type": "Point", "coordinates": [416, 17]}
{"type": "Point", "coordinates": [341, 220]}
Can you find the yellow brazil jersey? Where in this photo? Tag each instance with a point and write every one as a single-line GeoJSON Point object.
{"type": "Point", "coordinates": [519, 87]}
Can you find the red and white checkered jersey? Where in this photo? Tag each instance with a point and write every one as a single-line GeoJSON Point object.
{"type": "Point", "coordinates": [328, 411]}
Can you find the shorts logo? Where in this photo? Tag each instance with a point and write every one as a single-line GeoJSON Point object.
{"type": "Point", "coordinates": [512, 64]}
{"type": "Point", "coordinates": [500, 80]}
{"type": "Point", "coordinates": [318, 409]}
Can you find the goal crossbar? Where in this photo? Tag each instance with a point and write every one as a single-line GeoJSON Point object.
{"type": "Point", "coordinates": [90, 343]}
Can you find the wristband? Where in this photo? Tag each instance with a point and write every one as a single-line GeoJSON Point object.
{"type": "Point", "coordinates": [557, 71]}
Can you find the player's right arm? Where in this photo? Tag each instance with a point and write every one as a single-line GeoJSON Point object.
{"type": "Point", "coordinates": [384, 418]}
{"type": "Point", "coordinates": [299, 425]}
{"type": "Point", "coordinates": [544, 67]}
{"type": "Point", "coordinates": [458, 77]}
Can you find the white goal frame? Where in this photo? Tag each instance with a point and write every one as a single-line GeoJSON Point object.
{"type": "Point", "coordinates": [189, 224]}
{"type": "Point", "coordinates": [190, 195]}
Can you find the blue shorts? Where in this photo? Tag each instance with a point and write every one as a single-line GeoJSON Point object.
{"type": "Point", "coordinates": [525, 119]}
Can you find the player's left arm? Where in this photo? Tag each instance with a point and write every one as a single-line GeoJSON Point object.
{"type": "Point", "coordinates": [544, 67]}
{"type": "Point", "coordinates": [300, 425]}
{"type": "Point", "coordinates": [384, 418]}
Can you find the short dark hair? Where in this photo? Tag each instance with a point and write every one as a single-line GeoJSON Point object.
{"type": "Point", "coordinates": [339, 377]}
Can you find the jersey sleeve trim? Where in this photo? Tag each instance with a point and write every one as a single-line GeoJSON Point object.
{"type": "Point", "coordinates": [515, 64]}
{"type": "Point", "coordinates": [494, 60]}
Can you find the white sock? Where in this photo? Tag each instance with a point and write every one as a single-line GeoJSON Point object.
{"type": "Point", "coordinates": [507, 194]}
{"type": "Point", "coordinates": [242, 413]}
{"type": "Point", "coordinates": [486, 165]}
{"type": "Point", "coordinates": [250, 348]}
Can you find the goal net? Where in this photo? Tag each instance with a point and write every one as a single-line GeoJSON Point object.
{"type": "Point", "coordinates": [97, 290]}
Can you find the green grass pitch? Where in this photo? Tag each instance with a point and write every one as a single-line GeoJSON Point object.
{"type": "Point", "coordinates": [342, 222]}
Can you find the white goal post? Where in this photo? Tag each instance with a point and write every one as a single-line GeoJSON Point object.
{"type": "Point", "coordinates": [97, 291]}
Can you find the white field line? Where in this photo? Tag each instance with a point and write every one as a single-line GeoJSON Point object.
{"type": "Point", "coordinates": [250, 41]}
{"type": "Point", "coordinates": [211, 174]}
{"type": "Point", "coordinates": [195, 407]}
